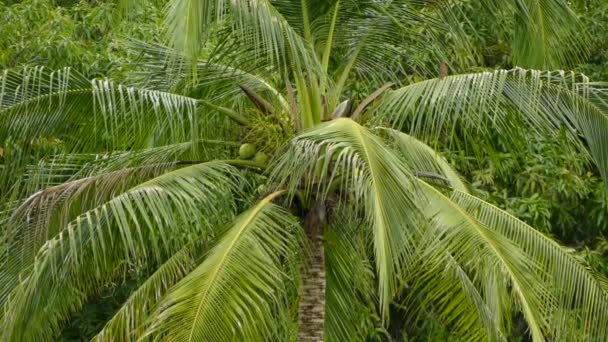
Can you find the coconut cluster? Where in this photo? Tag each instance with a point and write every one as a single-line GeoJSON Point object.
{"type": "Point", "coordinates": [248, 151]}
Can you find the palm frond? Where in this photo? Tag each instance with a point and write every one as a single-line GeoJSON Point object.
{"type": "Point", "coordinates": [581, 297]}
{"type": "Point", "coordinates": [478, 248]}
{"type": "Point", "coordinates": [494, 266]}
{"type": "Point", "coordinates": [164, 68]}
{"type": "Point", "coordinates": [44, 214]}
{"type": "Point", "coordinates": [442, 289]}
{"type": "Point", "coordinates": [60, 168]}
{"type": "Point", "coordinates": [259, 28]}
{"type": "Point", "coordinates": [346, 154]}
{"type": "Point", "coordinates": [48, 113]}
{"type": "Point", "coordinates": [152, 219]}
{"type": "Point", "coordinates": [543, 34]}
{"type": "Point", "coordinates": [350, 301]}
{"type": "Point", "coordinates": [68, 185]}
{"type": "Point", "coordinates": [547, 34]}
{"type": "Point", "coordinates": [479, 106]}
{"type": "Point", "coordinates": [424, 161]}
{"type": "Point", "coordinates": [237, 289]}
{"type": "Point", "coordinates": [56, 108]}
{"type": "Point", "coordinates": [35, 102]}
{"type": "Point", "coordinates": [94, 164]}
{"type": "Point", "coordinates": [379, 36]}
{"type": "Point", "coordinates": [128, 322]}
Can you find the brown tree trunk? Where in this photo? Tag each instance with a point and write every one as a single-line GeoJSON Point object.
{"type": "Point", "coordinates": [311, 310]}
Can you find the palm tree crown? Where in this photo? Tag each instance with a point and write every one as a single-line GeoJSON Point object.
{"type": "Point", "coordinates": [336, 205]}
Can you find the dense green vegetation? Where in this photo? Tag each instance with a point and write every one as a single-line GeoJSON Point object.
{"type": "Point", "coordinates": [137, 212]}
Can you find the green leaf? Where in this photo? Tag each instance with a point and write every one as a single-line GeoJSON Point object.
{"type": "Point", "coordinates": [480, 249]}
{"type": "Point", "coordinates": [479, 106]}
{"type": "Point", "coordinates": [350, 300]}
{"type": "Point", "coordinates": [580, 295]}
{"type": "Point", "coordinates": [127, 323]}
{"type": "Point", "coordinates": [343, 153]}
{"type": "Point", "coordinates": [153, 219]}
{"type": "Point", "coordinates": [425, 161]}
{"type": "Point", "coordinates": [235, 292]}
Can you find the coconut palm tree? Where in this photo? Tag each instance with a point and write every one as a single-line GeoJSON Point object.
{"type": "Point", "coordinates": [263, 198]}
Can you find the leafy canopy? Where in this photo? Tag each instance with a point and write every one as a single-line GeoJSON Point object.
{"type": "Point", "coordinates": [102, 181]}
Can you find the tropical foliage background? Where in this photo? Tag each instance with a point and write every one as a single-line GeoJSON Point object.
{"type": "Point", "coordinates": [549, 181]}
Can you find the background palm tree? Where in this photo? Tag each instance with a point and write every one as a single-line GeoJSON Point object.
{"type": "Point", "coordinates": [103, 181]}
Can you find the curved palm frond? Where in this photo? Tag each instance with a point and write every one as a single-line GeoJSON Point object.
{"type": "Point", "coordinates": [477, 248]}
{"type": "Point", "coordinates": [503, 265]}
{"type": "Point", "coordinates": [128, 322]}
{"type": "Point", "coordinates": [547, 34]}
{"type": "Point", "coordinates": [76, 168]}
{"type": "Point", "coordinates": [72, 184]}
{"type": "Point", "coordinates": [350, 300]}
{"type": "Point", "coordinates": [424, 161]}
{"type": "Point", "coordinates": [239, 286]}
{"type": "Point", "coordinates": [44, 114]}
{"type": "Point", "coordinates": [257, 26]}
{"type": "Point", "coordinates": [478, 106]}
{"type": "Point", "coordinates": [581, 296]}
{"type": "Point", "coordinates": [143, 224]}
{"type": "Point", "coordinates": [442, 289]}
{"type": "Point", "coordinates": [44, 214]}
{"type": "Point", "coordinates": [343, 152]}
{"type": "Point", "coordinates": [35, 103]}
{"type": "Point", "coordinates": [456, 302]}
{"type": "Point", "coordinates": [94, 164]}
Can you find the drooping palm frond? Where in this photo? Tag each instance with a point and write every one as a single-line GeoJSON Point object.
{"type": "Point", "coordinates": [480, 106]}
{"type": "Point", "coordinates": [44, 214]}
{"type": "Point", "coordinates": [68, 185]}
{"type": "Point", "coordinates": [547, 34]}
{"type": "Point", "coordinates": [494, 266]}
{"type": "Point", "coordinates": [441, 286]}
{"type": "Point", "coordinates": [128, 322]}
{"type": "Point", "coordinates": [238, 289]}
{"type": "Point", "coordinates": [481, 251]}
{"type": "Point", "coordinates": [60, 168]}
{"type": "Point", "coordinates": [441, 289]}
{"type": "Point", "coordinates": [259, 28]}
{"type": "Point", "coordinates": [581, 297]}
{"type": "Point", "coordinates": [424, 161]}
{"type": "Point", "coordinates": [350, 301]}
{"type": "Point", "coordinates": [44, 114]}
{"type": "Point", "coordinates": [94, 164]}
{"type": "Point", "coordinates": [40, 103]}
{"type": "Point", "coordinates": [345, 154]}
{"type": "Point", "coordinates": [142, 225]}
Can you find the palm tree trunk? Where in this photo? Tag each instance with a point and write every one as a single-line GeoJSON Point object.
{"type": "Point", "coordinates": [311, 310]}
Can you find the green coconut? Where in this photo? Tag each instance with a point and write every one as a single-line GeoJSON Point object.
{"type": "Point", "coordinates": [246, 151]}
{"type": "Point", "coordinates": [261, 158]}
